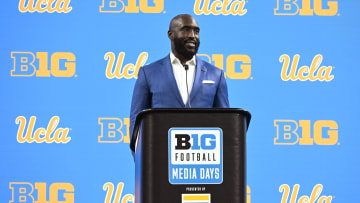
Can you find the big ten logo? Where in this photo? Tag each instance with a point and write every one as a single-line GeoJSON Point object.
{"type": "Point", "coordinates": [58, 192]}
{"type": "Point", "coordinates": [237, 66]}
{"type": "Point", "coordinates": [248, 194]}
{"type": "Point", "coordinates": [325, 132]}
{"type": "Point", "coordinates": [183, 141]}
{"type": "Point", "coordinates": [306, 7]}
{"type": "Point", "coordinates": [145, 6]}
{"type": "Point", "coordinates": [195, 155]}
{"type": "Point", "coordinates": [26, 64]}
{"type": "Point", "coordinates": [118, 70]}
{"type": "Point", "coordinates": [313, 72]}
{"type": "Point", "coordinates": [50, 6]}
{"type": "Point", "coordinates": [109, 187]}
{"type": "Point", "coordinates": [50, 134]}
{"type": "Point", "coordinates": [224, 7]}
{"type": "Point", "coordinates": [111, 130]}
{"type": "Point", "coordinates": [315, 196]}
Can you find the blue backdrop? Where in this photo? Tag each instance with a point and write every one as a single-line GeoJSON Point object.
{"type": "Point", "coordinates": [68, 68]}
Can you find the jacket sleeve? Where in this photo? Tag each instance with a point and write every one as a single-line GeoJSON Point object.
{"type": "Point", "coordinates": [141, 99]}
{"type": "Point", "coordinates": [221, 97]}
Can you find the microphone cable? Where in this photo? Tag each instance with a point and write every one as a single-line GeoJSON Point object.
{"type": "Point", "coordinates": [187, 89]}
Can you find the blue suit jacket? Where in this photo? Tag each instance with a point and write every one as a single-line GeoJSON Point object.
{"type": "Point", "coordinates": [156, 87]}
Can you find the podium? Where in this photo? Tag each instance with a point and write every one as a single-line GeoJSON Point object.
{"type": "Point", "coordinates": [190, 155]}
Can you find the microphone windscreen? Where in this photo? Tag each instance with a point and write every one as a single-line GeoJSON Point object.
{"type": "Point", "coordinates": [186, 67]}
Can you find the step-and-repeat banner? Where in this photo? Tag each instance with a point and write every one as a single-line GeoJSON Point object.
{"type": "Point", "coordinates": [68, 68]}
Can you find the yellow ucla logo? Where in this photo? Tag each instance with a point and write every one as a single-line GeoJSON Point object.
{"type": "Point", "coordinates": [111, 130]}
{"type": "Point", "coordinates": [224, 7]}
{"type": "Point", "coordinates": [50, 134]}
{"type": "Point", "coordinates": [315, 196]}
{"type": "Point", "coordinates": [25, 192]}
{"type": "Point", "coordinates": [128, 71]}
{"type": "Point", "coordinates": [313, 72]}
{"type": "Point", "coordinates": [306, 7]}
{"type": "Point", "coordinates": [109, 187]}
{"type": "Point", "coordinates": [232, 72]}
{"type": "Point", "coordinates": [62, 64]}
{"type": "Point", "coordinates": [50, 6]}
{"type": "Point", "coordinates": [288, 132]}
{"type": "Point", "coordinates": [118, 6]}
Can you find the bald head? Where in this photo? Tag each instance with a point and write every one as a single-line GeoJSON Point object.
{"type": "Point", "coordinates": [184, 35]}
{"type": "Point", "coordinates": [178, 20]}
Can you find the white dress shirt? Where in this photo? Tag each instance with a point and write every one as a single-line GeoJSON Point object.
{"type": "Point", "coordinates": [180, 75]}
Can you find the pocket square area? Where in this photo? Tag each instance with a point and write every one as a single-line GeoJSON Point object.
{"type": "Point", "coordinates": [208, 82]}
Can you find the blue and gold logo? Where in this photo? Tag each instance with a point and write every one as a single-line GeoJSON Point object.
{"type": "Point", "coordinates": [315, 195]}
{"type": "Point", "coordinates": [315, 72]}
{"type": "Point", "coordinates": [290, 132]}
{"type": "Point", "coordinates": [116, 69]}
{"type": "Point", "coordinates": [235, 66]}
{"type": "Point", "coordinates": [224, 7]}
{"type": "Point", "coordinates": [195, 156]}
{"type": "Point", "coordinates": [114, 130]}
{"type": "Point", "coordinates": [117, 192]}
{"type": "Point", "coordinates": [51, 134]}
{"type": "Point", "coordinates": [27, 64]}
{"type": "Point", "coordinates": [25, 192]}
{"type": "Point", "coordinates": [118, 6]}
{"type": "Point", "coordinates": [41, 6]}
{"type": "Point", "coordinates": [306, 7]}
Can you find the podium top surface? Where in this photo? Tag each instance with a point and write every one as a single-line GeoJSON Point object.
{"type": "Point", "coordinates": [195, 110]}
{"type": "Point", "coordinates": [156, 111]}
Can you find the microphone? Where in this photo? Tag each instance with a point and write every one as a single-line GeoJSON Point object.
{"type": "Point", "coordinates": [187, 89]}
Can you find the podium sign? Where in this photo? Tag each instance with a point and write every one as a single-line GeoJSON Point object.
{"type": "Point", "coordinates": [190, 155]}
{"type": "Point", "coordinates": [195, 156]}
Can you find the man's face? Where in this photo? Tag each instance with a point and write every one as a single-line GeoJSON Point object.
{"type": "Point", "coordinates": [186, 38]}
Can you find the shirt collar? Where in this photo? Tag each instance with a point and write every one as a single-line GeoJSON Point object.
{"type": "Point", "coordinates": [175, 60]}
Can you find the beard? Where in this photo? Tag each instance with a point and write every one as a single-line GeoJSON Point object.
{"type": "Point", "coordinates": [181, 48]}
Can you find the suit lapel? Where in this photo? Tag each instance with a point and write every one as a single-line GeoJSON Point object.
{"type": "Point", "coordinates": [199, 76]}
{"type": "Point", "coordinates": [170, 80]}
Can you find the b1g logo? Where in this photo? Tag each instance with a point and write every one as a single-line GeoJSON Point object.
{"type": "Point", "coordinates": [306, 7]}
{"type": "Point", "coordinates": [111, 130]}
{"type": "Point", "coordinates": [128, 71]}
{"type": "Point", "coordinates": [23, 192]}
{"type": "Point", "coordinates": [224, 7]}
{"type": "Point", "coordinates": [118, 6]}
{"type": "Point", "coordinates": [195, 156]}
{"type": "Point", "coordinates": [41, 6]}
{"type": "Point", "coordinates": [237, 66]}
{"type": "Point", "coordinates": [26, 64]}
{"type": "Point", "coordinates": [325, 132]}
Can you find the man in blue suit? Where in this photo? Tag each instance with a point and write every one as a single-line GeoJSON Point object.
{"type": "Point", "coordinates": [169, 82]}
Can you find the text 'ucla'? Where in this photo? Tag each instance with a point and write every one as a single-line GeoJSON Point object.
{"type": "Point", "coordinates": [50, 134]}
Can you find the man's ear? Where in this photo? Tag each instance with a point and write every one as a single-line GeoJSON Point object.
{"type": "Point", "coordinates": [170, 35]}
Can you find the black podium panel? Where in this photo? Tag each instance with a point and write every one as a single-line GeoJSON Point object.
{"type": "Point", "coordinates": [191, 155]}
